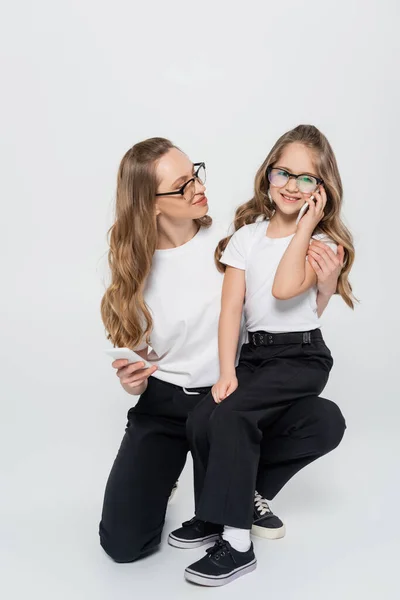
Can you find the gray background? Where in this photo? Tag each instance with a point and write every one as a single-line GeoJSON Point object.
{"type": "Point", "coordinates": [82, 81]}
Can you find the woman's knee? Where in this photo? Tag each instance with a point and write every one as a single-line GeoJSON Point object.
{"type": "Point", "coordinates": [123, 548]}
{"type": "Point", "coordinates": [332, 425]}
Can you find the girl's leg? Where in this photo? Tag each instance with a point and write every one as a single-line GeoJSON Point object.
{"type": "Point", "coordinates": [286, 374]}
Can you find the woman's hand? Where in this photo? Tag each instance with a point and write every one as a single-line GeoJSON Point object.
{"type": "Point", "coordinates": [224, 387]}
{"type": "Point", "coordinates": [133, 376]}
{"type": "Point", "coordinates": [327, 266]}
{"type": "Point", "coordinates": [315, 211]}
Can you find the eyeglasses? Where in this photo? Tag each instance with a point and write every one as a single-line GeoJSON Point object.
{"type": "Point", "coordinates": [307, 184]}
{"type": "Point", "coordinates": [188, 190]}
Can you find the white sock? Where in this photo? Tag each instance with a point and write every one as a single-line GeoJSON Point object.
{"type": "Point", "coordinates": [238, 538]}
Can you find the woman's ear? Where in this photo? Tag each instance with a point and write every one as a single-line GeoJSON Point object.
{"type": "Point", "coordinates": [157, 210]}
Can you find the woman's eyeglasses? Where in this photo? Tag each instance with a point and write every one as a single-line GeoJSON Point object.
{"type": "Point", "coordinates": [307, 184]}
{"type": "Point", "coordinates": [188, 190]}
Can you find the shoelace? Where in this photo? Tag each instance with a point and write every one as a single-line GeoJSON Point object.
{"type": "Point", "coordinates": [261, 504]}
{"type": "Point", "coordinates": [220, 548]}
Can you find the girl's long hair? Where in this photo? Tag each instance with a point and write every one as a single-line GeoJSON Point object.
{"type": "Point", "coordinates": [331, 224]}
{"type": "Point", "coordinates": [133, 241]}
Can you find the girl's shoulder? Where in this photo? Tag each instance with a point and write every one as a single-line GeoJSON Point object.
{"type": "Point", "coordinates": [252, 230]}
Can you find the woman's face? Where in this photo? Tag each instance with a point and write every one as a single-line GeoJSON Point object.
{"type": "Point", "coordinates": [175, 169]}
{"type": "Point", "coordinates": [296, 159]}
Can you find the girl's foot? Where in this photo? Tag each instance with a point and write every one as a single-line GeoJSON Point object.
{"type": "Point", "coordinates": [221, 565]}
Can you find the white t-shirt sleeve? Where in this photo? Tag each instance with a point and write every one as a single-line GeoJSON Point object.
{"type": "Point", "coordinates": [322, 237]}
{"type": "Point", "coordinates": [236, 252]}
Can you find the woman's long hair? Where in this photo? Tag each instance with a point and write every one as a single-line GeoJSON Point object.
{"type": "Point", "coordinates": [331, 224]}
{"type": "Point", "coordinates": [133, 241]}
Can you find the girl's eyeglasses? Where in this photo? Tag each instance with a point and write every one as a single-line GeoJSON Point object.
{"type": "Point", "coordinates": [307, 184]}
{"type": "Point", "coordinates": [188, 190]}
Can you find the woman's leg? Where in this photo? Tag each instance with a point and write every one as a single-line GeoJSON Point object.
{"type": "Point", "coordinates": [309, 429]}
{"type": "Point", "coordinates": [150, 460]}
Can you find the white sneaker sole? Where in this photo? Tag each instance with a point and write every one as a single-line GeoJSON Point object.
{"type": "Point", "coordinates": [187, 544]}
{"type": "Point", "coordinates": [215, 581]}
{"type": "Point", "coordinates": [267, 533]}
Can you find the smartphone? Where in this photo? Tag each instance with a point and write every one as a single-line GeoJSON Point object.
{"type": "Point", "coordinates": [303, 210]}
{"type": "Point", "coordinates": [129, 355]}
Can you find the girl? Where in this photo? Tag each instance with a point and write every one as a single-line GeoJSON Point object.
{"type": "Point", "coordinates": [285, 360]}
{"type": "Point", "coordinates": [165, 293]}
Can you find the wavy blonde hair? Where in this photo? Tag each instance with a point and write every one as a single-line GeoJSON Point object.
{"type": "Point", "coordinates": [331, 224]}
{"type": "Point", "coordinates": [133, 241]}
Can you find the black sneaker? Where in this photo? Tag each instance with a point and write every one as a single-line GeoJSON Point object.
{"type": "Point", "coordinates": [265, 523]}
{"type": "Point", "coordinates": [221, 565]}
{"type": "Point", "coordinates": [194, 533]}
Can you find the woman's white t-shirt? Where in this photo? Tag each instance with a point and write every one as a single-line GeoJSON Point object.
{"type": "Point", "coordinates": [252, 251]}
{"type": "Point", "coordinates": [183, 293]}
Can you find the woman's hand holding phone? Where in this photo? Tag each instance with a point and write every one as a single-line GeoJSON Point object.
{"type": "Point", "coordinates": [133, 375]}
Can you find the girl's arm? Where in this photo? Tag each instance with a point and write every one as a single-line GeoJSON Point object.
{"type": "Point", "coordinates": [233, 293]}
{"type": "Point", "coordinates": [294, 275]}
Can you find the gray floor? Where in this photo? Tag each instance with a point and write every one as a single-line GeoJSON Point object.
{"type": "Point", "coordinates": [341, 515]}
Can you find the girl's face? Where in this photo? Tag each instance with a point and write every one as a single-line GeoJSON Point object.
{"type": "Point", "coordinates": [295, 159]}
{"type": "Point", "coordinates": [175, 170]}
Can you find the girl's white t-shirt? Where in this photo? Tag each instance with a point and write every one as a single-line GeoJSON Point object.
{"type": "Point", "coordinates": [183, 293]}
{"type": "Point", "coordinates": [252, 251]}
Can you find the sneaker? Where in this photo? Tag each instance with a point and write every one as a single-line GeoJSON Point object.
{"type": "Point", "coordinates": [194, 533]}
{"type": "Point", "coordinates": [265, 523]}
{"type": "Point", "coordinates": [221, 565]}
{"type": "Point", "coordinates": [172, 494]}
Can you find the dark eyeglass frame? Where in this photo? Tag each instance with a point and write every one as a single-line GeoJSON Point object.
{"type": "Point", "coordinates": [181, 190]}
{"type": "Point", "coordinates": [292, 176]}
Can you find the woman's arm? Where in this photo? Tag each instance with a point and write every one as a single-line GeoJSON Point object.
{"type": "Point", "coordinates": [233, 293]}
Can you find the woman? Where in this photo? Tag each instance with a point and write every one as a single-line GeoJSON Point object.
{"type": "Point", "coordinates": [164, 302]}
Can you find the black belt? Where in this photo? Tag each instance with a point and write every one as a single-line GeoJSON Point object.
{"type": "Point", "coordinates": [264, 338]}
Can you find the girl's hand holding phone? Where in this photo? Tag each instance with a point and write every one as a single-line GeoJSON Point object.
{"type": "Point", "coordinates": [224, 387]}
{"type": "Point", "coordinates": [315, 212]}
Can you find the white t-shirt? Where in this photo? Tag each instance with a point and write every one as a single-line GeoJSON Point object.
{"type": "Point", "coordinates": [252, 251]}
{"type": "Point", "coordinates": [183, 293]}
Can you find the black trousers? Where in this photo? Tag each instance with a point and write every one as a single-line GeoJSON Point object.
{"type": "Point", "coordinates": [153, 453]}
{"type": "Point", "coordinates": [275, 382]}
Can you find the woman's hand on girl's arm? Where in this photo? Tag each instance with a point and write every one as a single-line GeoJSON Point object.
{"type": "Point", "coordinates": [327, 266]}
{"type": "Point", "coordinates": [233, 293]}
{"type": "Point", "coordinates": [294, 275]}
